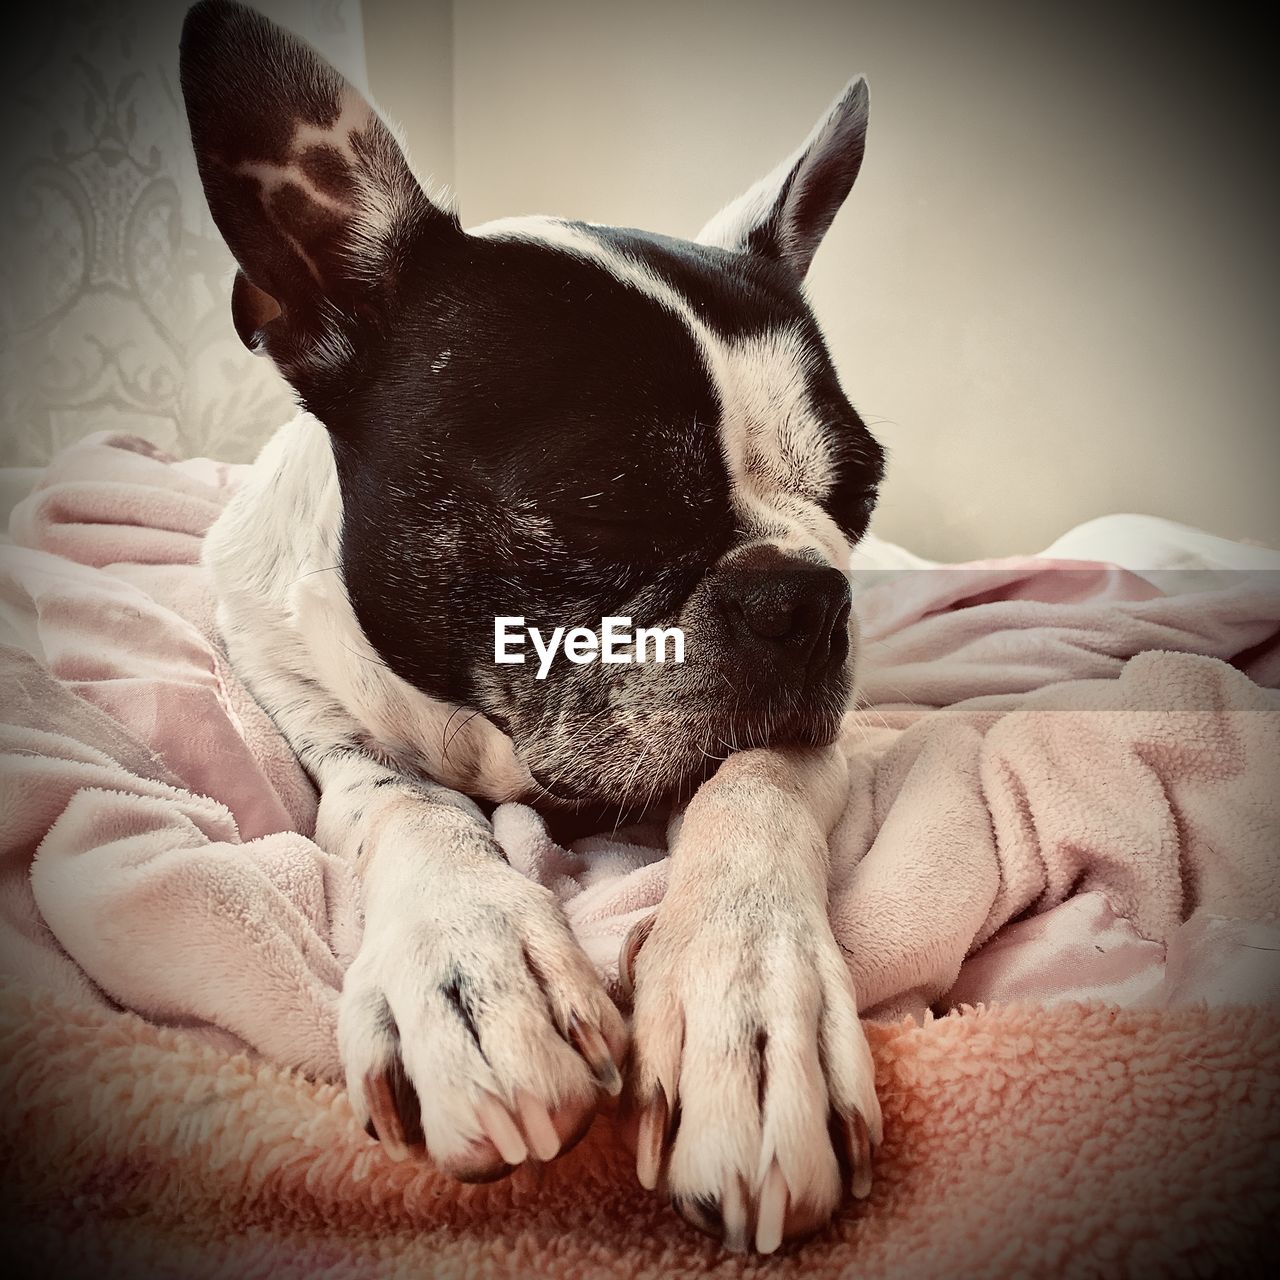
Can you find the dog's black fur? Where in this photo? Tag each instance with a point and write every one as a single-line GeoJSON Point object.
{"type": "Point", "coordinates": [473, 386]}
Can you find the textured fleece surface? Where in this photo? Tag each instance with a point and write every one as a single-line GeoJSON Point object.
{"type": "Point", "coordinates": [1079, 1140]}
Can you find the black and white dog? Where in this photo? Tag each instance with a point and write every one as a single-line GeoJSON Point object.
{"type": "Point", "coordinates": [561, 421]}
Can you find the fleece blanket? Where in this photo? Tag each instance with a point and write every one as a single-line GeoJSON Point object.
{"type": "Point", "coordinates": [1063, 787]}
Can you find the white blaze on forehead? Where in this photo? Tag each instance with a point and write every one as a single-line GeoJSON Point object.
{"type": "Point", "coordinates": [775, 445]}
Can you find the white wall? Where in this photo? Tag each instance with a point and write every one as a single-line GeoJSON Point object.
{"type": "Point", "coordinates": [1050, 292]}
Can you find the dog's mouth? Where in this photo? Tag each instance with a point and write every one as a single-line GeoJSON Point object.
{"type": "Point", "coordinates": [656, 783]}
{"type": "Point", "coordinates": [556, 793]}
{"type": "Point", "coordinates": [559, 795]}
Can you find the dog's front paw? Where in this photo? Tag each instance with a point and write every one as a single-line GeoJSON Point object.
{"type": "Point", "coordinates": [473, 1028]}
{"type": "Point", "coordinates": [751, 1095]}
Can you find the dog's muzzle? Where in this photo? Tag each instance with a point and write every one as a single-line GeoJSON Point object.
{"type": "Point", "coordinates": [785, 625]}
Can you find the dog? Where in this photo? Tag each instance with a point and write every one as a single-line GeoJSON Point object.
{"type": "Point", "coordinates": [560, 421]}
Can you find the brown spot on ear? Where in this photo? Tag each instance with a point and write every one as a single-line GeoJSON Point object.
{"type": "Point", "coordinates": [330, 172]}
{"type": "Point", "coordinates": [311, 224]}
{"type": "Point", "coordinates": [251, 310]}
{"type": "Point", "coordinates": [237, 66]}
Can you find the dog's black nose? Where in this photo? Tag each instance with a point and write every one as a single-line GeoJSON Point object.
{"type": "Point", "coordinates": [785, 611]}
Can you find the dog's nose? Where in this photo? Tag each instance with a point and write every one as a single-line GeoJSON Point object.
{"type": "Point", "coordinates": [786, 609]}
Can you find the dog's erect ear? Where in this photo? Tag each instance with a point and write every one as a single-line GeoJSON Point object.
{"type": "Point", "coordinates": [786, 214]}
{"type": "Point", "coordinates": [306, 184]}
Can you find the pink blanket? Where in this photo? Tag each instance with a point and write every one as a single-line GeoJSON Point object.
{"type": "Point", "coordinates": [1063, 784]}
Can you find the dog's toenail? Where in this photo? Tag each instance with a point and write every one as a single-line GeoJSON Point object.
{"type": "Point", "coordinates": [591, 1045]}
{"type": "Point", "coordinates": [651, 1140]}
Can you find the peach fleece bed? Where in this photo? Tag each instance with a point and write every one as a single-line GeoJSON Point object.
{"type": "Point", "coordinates": [1064, 810]}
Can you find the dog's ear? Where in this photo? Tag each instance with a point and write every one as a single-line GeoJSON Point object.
{"type": "Point", "coordinates": [786, 214]}
{"type": "Point", "coordinates": [306, 184]}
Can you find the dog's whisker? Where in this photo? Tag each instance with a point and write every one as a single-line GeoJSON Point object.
{"type": "Point", "coordinates": [626, 795]}
{"type": "Point", "coordinates": [377, 662]}
{"type": "Point", "coordinates": [444, 733]}
{"type": "Point", "coordinates": [328, 568]}
{"type": "Point", "coordinates": [457, 731]}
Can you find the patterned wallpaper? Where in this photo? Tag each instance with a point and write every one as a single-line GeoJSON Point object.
{"type": "Point", "coordinates": [114, 283]}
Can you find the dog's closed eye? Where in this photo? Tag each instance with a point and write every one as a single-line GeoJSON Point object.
{"type": "Point", "coordinates": [621, 536]}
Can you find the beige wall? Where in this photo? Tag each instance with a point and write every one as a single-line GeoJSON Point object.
{"type": "Point", "coordinates": [408, 47]}
{"type": "Point", "coordinates": [1050, 292]}
{"type": "Point", "coordinates": [115, 286]}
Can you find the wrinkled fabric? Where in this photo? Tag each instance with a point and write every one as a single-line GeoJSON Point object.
{"type": "Point", "coordinates": [1063, 784]}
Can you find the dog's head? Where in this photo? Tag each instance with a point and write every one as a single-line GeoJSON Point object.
{"type": "Point", "coordinates": [554, 420]}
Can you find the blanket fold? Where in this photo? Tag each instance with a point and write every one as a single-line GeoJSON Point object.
{"type": "Point", "coordinates": [1064, 787]}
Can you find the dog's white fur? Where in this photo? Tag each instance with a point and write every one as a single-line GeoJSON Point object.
{"type": "Point", "coordinates": [740, 949]}
{"type": "Point", "coordinates": [741, 944]}
{"type": "Point", "coordinates": [739, 975]}
{"type": "Point", "coordinates": [437, 891]}
{"type": "Point", "coordinates": [774, 444]}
